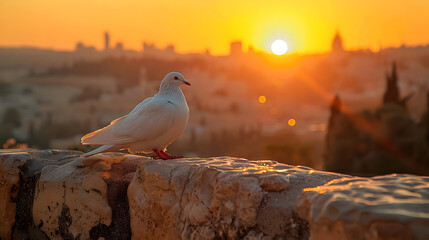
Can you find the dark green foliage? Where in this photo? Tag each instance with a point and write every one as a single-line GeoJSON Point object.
{"type": "Point", "coordinates": [391, 95]}
{"type": "Point", "coordinates": [127, 71]}
{"type": "Point", "coordinates": [42, 137]}
{"type": "Point", "coordinates": [5, 89]}
{"type": "Point", "coordinates": [5, 133]}
{"type": "Point", "coordinates": [11, 119]}
{"type": "Point", "coordinates": [386, 141]}
{"type": "Point", "coordinates": [283, 146]}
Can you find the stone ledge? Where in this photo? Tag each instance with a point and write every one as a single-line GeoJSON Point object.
{"type": "Point", "coordinates": [223, 197]}
{"type": "Point", "coordinates": [55, 194]}
{"type": "Point", "coordinates": [383, 207]}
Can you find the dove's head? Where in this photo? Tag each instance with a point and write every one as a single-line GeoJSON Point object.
{"type": "Point", "coordinates": [174, 79]}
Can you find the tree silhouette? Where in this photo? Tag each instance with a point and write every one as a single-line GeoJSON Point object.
{"type": "Point", "coordinates": [391, 95]}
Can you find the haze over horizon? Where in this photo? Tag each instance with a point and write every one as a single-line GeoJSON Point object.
{"type": "Point", "coordinates": [195, 26]}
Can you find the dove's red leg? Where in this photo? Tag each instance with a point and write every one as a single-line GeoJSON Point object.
{"type": "Point", "coordinates": [163, 155]}
{"type": "Point", "coordinates": [167, 156]}
{"type": "Point", "coordinates": [158, 155]}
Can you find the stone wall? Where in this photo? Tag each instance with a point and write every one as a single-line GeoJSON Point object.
{"type": "Point", "coordinates": [55, 194]}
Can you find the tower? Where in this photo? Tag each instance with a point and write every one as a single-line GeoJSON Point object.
{"type": "Point", "coordinates": [235, 48]}
{"type": "Point", "coordinates": [106, 41]}
{"type": "Point", "coordinates": [337, 43]}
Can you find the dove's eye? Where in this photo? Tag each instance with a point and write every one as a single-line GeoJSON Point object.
{"type": "Point", "coordinates": [176, 78]}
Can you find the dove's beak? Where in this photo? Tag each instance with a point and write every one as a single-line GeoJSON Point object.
{"type": "Point", "coordinates": [187, 83]}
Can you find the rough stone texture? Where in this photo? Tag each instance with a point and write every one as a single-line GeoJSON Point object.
{"type": "Point", "coordinates": [383, 207]}
{"type": "Point", "coordinates": [224, 197]}
{"type": "Point", "coordinates": [19, 171]}
{"type": "Point", "coordinates": [9, 187]}
{"type": "Point", "coordinates": [75, 200]}
{"type": "Point", "coordinates": [55, 194]}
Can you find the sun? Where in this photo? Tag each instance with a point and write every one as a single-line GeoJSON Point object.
{"type": "Point", "coordinates": [279, 47]}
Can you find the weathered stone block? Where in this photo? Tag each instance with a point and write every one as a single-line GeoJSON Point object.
{"type": "Point", "coordinates": [55, 194]}
{"type": "Point", "coordinates": [383, 207]}
{"type": "Point", "coordinates": [19, 172]}
{"type": "Point", "coordinates": [85, 198]}
{"type": "Point", "coordinates": [229, 198]}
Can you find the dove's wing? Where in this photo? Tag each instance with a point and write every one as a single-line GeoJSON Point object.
{"type": "Point", "coordinates": [150, 120]}
{"type": "Point", "coordinates": [140, 105]}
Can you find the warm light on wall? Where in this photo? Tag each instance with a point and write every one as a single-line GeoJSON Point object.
{"type": "Point", "coordinates": [262, 99]}
{"type": "Point", "coordinates": [291, 122]}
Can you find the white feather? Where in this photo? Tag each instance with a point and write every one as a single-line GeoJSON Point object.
{"type": "Point", "coordinates": [153, 124]}
{"type": "Point", "coordinates": [98, 150]}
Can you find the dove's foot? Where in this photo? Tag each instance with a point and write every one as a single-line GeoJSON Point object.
{"type": "Point", "coordinates": [163, 155]}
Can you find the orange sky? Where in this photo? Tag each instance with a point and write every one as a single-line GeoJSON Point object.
{"type": "Point", "coordinates": [194, 26]}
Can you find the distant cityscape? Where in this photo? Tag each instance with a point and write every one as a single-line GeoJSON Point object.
{"type": "Point", "coordinates": [236, 48]}
{"type": "Point", "coordinates": [49, 99]}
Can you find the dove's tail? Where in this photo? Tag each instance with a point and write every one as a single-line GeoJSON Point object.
{"type": "Point", "coordinates": [99, 150]}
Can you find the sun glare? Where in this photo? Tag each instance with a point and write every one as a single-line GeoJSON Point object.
{"type": "Point", "coordinates": [279, 47]}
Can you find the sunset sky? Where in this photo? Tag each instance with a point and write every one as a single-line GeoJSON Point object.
{"type": "Point", "coordinates": [194, 25]}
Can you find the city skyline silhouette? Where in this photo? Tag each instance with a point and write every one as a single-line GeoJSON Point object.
{"type": "Point", "coordinates": [192, 26]}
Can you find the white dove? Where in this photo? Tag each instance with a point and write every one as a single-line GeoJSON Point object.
{"type": "Point", "coordinates": [151, 126]}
